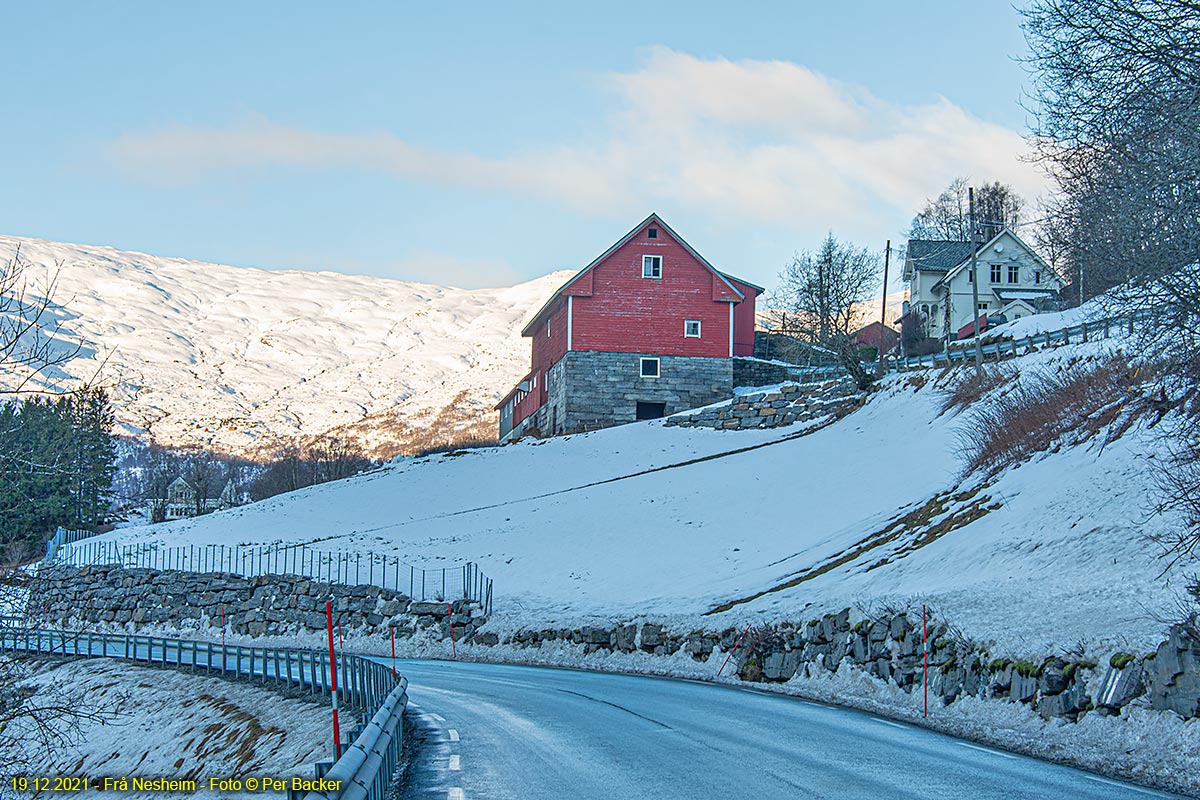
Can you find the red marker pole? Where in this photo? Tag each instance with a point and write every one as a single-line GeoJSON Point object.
{"type": "Point", "coordinates": [925, 647]}
{"type": "Point", "coordinates": [450, 619]}
{"type": "Point", "coordinates": [393, 630]}
{"type": "Point", "coordinates": [333, 690]}
{"type": "Point", "coordinates": [731, 652]}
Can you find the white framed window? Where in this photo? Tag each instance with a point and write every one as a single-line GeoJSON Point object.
{"type": "Point", "coordinates": [649, 368]}
{"type": "Point", "coordinates": [983, 307]}
{"type": "Point", "coordinates": [1037, 277]}
{"type": "Point", "coordinates": [1014, 273]}
{"type": "Point", "coordinates": [691, 329]}
{"type": "Point", "coordinates": [651, 266]}
{"type": "Point", "coordinates": [970, 276]}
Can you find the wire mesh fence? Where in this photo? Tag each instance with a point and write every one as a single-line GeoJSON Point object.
{"type": "Point", "coordinates": [465, 581]}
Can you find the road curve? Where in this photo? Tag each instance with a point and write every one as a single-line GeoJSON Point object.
{"type": "Point", "coordinates": [524, 733]}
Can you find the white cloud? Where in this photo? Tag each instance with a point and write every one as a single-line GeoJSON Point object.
{"type": "Point", "coordinates": [736, 140]}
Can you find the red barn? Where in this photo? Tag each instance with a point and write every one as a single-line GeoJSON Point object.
{"type": "Point", "coordinates": [647, 329]}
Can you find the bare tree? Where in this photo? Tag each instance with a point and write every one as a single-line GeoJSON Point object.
{"type": "Point", "coordinates": [1117, 109]}
{"type": "Point", "coordinates": [334, 457]}
{"type": "Point", "coordinates": [820, 289]}
{"type": "Point", "coordinates": [997, 205]}
{"type": "Point", "coordinates": [35, 721]}
{"type": "Point", "coordinates": [31, 343]}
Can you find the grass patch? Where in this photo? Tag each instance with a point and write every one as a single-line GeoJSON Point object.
{"type": "Point", "coordinates": [1045, 409]}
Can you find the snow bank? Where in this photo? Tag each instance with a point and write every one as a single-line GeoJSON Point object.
{"type": "Point", "coordinates": [177, 725]}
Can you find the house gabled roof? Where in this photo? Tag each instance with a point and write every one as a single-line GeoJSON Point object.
{"type": "Point", "coordinates": [967, 259]}
{"type": "Point", "coordinates": [937, 255]}
{"type": "Point", "coordinates": [654, 217]}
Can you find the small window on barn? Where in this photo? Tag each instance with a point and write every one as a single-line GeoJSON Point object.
{"type": "Point", "coordinates": [652, 233]}
{"type": "Point", "coordinates": [649, 367]}
{"type": "Point", "coordinates": [651, 266]}
{"type": "Point", "coordinates": [547, 328]}
{"type": "Point", "coordinates": [691, 328]}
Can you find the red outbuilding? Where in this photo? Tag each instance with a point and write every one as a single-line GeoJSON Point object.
{"type": "Point", "coordinates": [647, 329]}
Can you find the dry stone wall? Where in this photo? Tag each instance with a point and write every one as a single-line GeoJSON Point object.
{"type": "Point", "coordinates": [272, 605]}
{"type": "Point", "coordinates": [798, 402]}
{"type": "Point", "coordinates": [890, 648]}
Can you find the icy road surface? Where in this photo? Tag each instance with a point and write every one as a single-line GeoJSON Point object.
{"type": "Point", "coordinates": [523, 733]}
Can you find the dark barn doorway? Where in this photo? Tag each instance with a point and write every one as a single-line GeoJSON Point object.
{"type": "Point", "coordinates": [651, 410]}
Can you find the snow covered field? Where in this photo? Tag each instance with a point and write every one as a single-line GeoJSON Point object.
{"type": "Point", "coordinates": [232, 358]}
{"type": "Point", "coordinates": [617, 524]}
{"type": "Point", "coordinates": [183, 727]}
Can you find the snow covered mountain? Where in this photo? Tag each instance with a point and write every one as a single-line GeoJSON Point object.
{"type": "Point", "coordinates": [233, 358]}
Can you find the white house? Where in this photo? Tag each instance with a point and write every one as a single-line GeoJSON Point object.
{"type": "Point", "coordinates": [180, 501]}
{"type": "Point", "coordinates": [1014, 281]}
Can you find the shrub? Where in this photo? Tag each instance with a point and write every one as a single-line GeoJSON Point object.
{"type": "Point", "coordinates": [1033, 414]}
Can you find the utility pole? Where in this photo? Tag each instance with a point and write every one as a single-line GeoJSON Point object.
{"type": "Point", "coordinates": [887, 255]}
{"type": "Point", "coordinates": [975, 282]}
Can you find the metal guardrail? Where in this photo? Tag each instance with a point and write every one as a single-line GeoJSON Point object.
{"type": "Point", "coordinates": [367, 763]}
{"type": "Point", "coordinates": [1084, 332]}
{"type": "Point", "coordinates": [465, 582]}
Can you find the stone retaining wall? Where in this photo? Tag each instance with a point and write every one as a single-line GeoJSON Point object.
{"type": "Point", "coordinates": [271, 605]}
{"type": "Point", "coordinates": [798, 402]}
{"type": "Point", "coordinates": [890, 648]}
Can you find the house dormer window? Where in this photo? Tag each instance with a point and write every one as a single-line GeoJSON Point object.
{"type": "Point", "coordinates": [1014, 273]}
{"type": "Point", "coordinates": [691, 329]}
{"type": "Point", "coordinates": [651, 266]}
{"type": "Point", "coordinates": [995, 273]}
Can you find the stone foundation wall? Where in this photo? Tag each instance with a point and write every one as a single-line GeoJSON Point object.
{"type": "Point", "coordinates": [587, 390]}
{"type": "Point", "coordinates": [272, 605]}
{"type": "Point", "coordinates": [772, 409]}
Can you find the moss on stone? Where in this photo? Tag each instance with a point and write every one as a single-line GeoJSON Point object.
{"type": "Point", "coordinates": [1120, 660]}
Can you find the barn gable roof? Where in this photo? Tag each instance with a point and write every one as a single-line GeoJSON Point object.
{"type": "Point", "coordinates": [727, 280]}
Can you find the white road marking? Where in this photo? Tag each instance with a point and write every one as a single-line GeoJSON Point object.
{"type": "Point", "coordinates": [1098, 779]}
{"type": "Point", "coordinates": [889, 722]}
{"type": "Point", "coordinates": [455, 763]}
{"type": "Point", "coordinates": [987, 750]}
{"type": "Point", "coordinates": [453, 735]}
{"type": "Point", "coordinates": [456, 794]}
{"type": "Point", "coordinates": [438, 717]}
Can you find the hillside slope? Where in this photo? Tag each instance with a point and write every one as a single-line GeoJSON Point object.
{"type": "Point", "coordinates": [869, 510]}
{"type": "Point", "coordinates": [234, 358]}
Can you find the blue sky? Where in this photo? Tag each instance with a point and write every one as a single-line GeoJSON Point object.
{"type": "Point", "coordinates": [479, 144]}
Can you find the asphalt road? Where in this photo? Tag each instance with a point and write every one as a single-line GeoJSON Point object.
{"type": "Point", "coordinates": [523, 733]}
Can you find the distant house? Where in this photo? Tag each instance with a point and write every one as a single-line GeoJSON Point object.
{"type": "Point", "coordinates": [877, 335]}
{"type": "Point", "coordinates": [180, 501]}
{"type": "Point", "coordinates": [1014, 282]}
{"type": "Point", "coordinates": [647, 329]}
